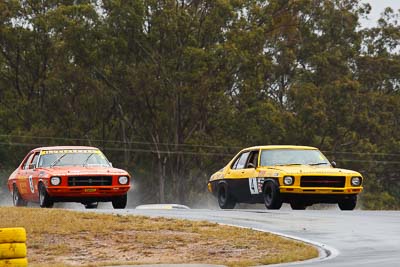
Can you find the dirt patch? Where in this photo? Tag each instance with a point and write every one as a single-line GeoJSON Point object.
{"type": "Point", "coordinates": [66, 238]}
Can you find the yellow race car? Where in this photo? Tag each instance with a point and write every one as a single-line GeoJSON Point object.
{"type": "Point", "coordinates": [298, 175]}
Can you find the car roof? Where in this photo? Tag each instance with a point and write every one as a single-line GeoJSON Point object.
{"type": "Point", "coordinates": [281, 147]}
{"type": "Point", "coordinates": [63, 147]}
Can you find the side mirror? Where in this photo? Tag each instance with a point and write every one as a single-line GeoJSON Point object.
{"type": "Point", "coordinates": [31, 166]}
{"type": "Point", "coordinates": [111, 164]}
{"type": "Point", "coordinates": [333, 163]}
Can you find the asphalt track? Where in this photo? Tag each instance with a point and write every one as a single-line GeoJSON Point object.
{"type": "Point", "coordinates": [351, 238]}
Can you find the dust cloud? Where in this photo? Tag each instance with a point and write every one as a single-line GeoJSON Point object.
{"type": "Point", "coordinates": [5, 198]}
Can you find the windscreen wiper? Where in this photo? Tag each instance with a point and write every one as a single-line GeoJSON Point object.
{"type": "Point", "coordinates": [319, 163]}
{"type": "Point", "coordinates": [86, 160]}
{"type": "Point", "coordinates": [57, 160]}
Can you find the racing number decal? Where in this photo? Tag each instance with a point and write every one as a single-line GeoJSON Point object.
{"type": "Point", "coordinates": [31, 184]}
{"type": "Point", "coordinates": [255, 185]}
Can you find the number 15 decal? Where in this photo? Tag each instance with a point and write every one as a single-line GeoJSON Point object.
{"type": "Point", "coordinates": [31, 184]}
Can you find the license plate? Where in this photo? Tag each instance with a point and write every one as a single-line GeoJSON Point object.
{"type": "Point", "coordinates": [90, 190]}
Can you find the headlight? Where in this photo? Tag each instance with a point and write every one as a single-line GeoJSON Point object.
{"type": "Point", "coordinates": [288, 180]}
{"type": "Point", "coordinates": [55, 180]}
{"type": "Point", "coordinates": [356, 181]}
{"type": "Point", "coordinates": [123, 180]}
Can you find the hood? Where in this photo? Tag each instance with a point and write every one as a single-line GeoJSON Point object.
{"type": "Point", "coordinates": [312, 170]}
{"type": "Point", "coordinates": [80, 170]}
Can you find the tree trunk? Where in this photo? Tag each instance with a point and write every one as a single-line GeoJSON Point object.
{"type": "Point", "coordinates": [161, 177]}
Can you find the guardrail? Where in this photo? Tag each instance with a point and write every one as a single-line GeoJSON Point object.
{"type": "Point", "coordinates": [13, 247]}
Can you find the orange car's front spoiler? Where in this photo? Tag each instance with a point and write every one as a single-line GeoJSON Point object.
{"type": "Point", "coordinates": [87, 191]}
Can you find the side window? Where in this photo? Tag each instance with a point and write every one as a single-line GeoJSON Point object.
{"type": "Point", "coordinates": [235, 163]}
{"type": "Point", "coordinates": [241, 162]}
{"type": "Point", "coordinates": [253, 160]}
{"type": "Point", "coordinates": [26, 164]}
{"type": "Point", "coordinates": [35, 158]}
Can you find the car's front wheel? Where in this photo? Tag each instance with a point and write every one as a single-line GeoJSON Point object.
{"type": "Point", "coordinates": [18, 201]}
{"type": "Point", "coordinates": [45, 200]}
{"type": "Point", "coordinates": [272, 196]}
{"type": "Point", "coordinates": [225, 199]}
{"type": "Point", "coordinates": [348, 203]}
{"type": "Point", "coordinates": [120, 202]}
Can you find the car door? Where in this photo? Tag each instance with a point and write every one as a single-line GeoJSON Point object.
{"type": "Point", "coordinates": [237, 169]}
{"type": "Point", "coordinates": [251, 172]}
{"type": "Point", "coordinates": [22, 178]}
{"type": "Point", "coordinates": [32, 178]}
{"type": "Point", "coordinates": [242, 176]}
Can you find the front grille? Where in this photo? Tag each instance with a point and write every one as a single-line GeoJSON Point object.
{"type": "Point", "coordinates": [89, 180]}
{"type": "Point", "coordinates": [322, 181]}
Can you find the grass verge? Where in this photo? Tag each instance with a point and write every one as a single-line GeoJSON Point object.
{"type": "Point", "coordinates": [59, 237]}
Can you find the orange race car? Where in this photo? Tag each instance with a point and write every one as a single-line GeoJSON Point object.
{"type": "Point", "coordinates": [68, 174]}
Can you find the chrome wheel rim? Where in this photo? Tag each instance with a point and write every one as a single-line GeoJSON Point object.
{"type": "Point", "coordinates": [41, 196]}
{"type": "Point", "coordinates": [222, 196]}
{"type": "Point", "coordinates": [268, 195]}
{"type": "Point", "coordinates": [15, 197]}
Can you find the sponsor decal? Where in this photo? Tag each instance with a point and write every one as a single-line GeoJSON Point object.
{"type": "Point", "coordinates": [217, 176]}
{"type": "Point", "coordinates": [66, 151]}
{"type": "Point", "coordinates": [90, 190]}
{"type": "Point", "coordinates": [260, 182]}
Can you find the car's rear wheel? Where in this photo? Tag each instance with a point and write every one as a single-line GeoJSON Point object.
{"type": "Point", "coordinates": [45, 200]}
{"type": "Point", "coordinates": [18, 201]}
{"type": "Point", "coordinates": [225, 199]}
{"type": "Point", "coordinates": [298, 206]}
{"type": "Point", "coordinates": [120, 202]}
{"type": "Point", "coordinates": [348, 203]}
{"type": "Point", "coordinates": [272, 196]}
{"type": "Point", "coordinates": [91, 205]}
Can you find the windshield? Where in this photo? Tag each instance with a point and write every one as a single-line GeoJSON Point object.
{"type": "Point", "coordinates": [72, 158]}
{"type": "Point", "coordinates": [274, 157]}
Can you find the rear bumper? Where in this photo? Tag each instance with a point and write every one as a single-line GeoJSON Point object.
{"type": "Point", "coordinates": [79, 192]}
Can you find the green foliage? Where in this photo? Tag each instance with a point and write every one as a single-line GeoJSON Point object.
{"type": "Point", "coordinates": [377, 198]}
{"type": "Point", "coordinates": [171, 90]}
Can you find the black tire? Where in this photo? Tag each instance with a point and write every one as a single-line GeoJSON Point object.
{"type": "Point", "coordinates": [18, 201]}
{"type": "Point", "coordinates": [91, 205]}
{"type": "Point", "coordinates": [348, 203]}
{"type": "Point", "coordinates": [45, 200]}
{"type": "Point", "coordinates": [120, 202]}
{"type": "Point", "coordinates": [225, 199]}
{"type": "Point", "coordinates": [298, 206]}
{"type": "Point", "coordinates": [272, 196]}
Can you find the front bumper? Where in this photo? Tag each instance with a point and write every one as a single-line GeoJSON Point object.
{"type": "Point", "coordinates": [87, 191]}
{"type": "Point", "coordinates": [321, 190]}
